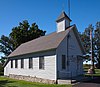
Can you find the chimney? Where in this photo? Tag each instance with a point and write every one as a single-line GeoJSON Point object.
{"type": "Point", "coordinates": [63, 21]}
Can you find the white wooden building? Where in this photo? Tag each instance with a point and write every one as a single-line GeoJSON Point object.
{"type": "Point", "coordinates": [48, 58]}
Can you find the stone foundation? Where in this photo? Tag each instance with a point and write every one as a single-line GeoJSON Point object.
{"type": "Point", "coordinates": [32, 79]}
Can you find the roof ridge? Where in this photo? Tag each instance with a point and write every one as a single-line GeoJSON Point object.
{"type": "Point", "coordinates": [50, 41]}
{"type": "Point", "coordinates": [38, 37]}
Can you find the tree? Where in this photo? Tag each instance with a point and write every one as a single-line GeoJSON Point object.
{"type": "Point", "coordinates": [6, 45]}
{"type": "Point", "coordinates": [20, 34]}
{"type": "Point", "coordinates": [85, 37]}
{"type": "Point", "coordinates": [1, 69]}
{"type": "Point", "coordinates": [97, 43]}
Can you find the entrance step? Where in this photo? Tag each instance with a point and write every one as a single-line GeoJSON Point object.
{"type": "Point", "coordinates": [64, 81]}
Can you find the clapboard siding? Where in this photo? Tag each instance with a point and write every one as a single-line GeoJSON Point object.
{"type": "Point", "coordinates": [53, 61]}
{"type": "Point", "coordinates": [49, 71]}
{"type": "Point", "coordinates": [73, 51]}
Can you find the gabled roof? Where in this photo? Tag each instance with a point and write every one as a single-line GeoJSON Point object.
{"type": "Point", "coordinates": [76, 33]}
{"type": "Point", "coordinates": [43, 43]}
{"type": "Point", "coordinates": [63, 15]}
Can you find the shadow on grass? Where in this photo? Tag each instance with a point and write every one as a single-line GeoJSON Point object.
{"type": "Point", "coordinates": [3, 83]}
{"type": "Point", "coordinates": [92, 79]}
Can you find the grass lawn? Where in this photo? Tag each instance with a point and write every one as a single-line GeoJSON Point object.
{"type": "Point", "coordinates": [7, 82]}
{"type": "Point", "coordinates": [97, 72]}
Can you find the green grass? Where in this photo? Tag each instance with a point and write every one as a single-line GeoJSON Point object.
{"type": "Point", "coordinates": [7, 82]}
{"type": "Point", "coordinates": [97, 71]}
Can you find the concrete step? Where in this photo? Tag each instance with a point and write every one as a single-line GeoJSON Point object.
{"type": "Point", "coordinates": [64, 81]}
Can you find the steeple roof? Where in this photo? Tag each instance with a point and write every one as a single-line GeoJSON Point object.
{"type": "Point", "coordinates": [63, 15]}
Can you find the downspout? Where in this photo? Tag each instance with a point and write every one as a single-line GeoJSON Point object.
{"type": "Point", "coordinates": [68, 51]}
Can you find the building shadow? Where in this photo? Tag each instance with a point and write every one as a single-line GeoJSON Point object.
{"type": "Point", "coordinates": [92, 79]}
{"type": "Point", "coordinates": [88, 81]}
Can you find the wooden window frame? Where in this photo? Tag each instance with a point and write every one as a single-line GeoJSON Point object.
{"type": "Point", "coordinates": [16, 63]}
{"type": "Point", "coordinates": [22, 63]}
{"type": "Point", "coordinates": [63, 61]}
{"type": "Point", "coordinates": [30, 63]}
{"type": "Point", "coordinates": [11, 63]}
{"type": "Point", "coordinates": [41, 62]}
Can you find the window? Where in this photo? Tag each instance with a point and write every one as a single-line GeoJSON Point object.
{"type": "Point", "coordinates": [16, 63]}
{"type": "Point", "coordinates": [30, 63]}
{"type": "Point", "coordinates": [22, 63]}
{"type": "Point", "coordinates": [41, 62]}
{"type": "Point", "coordinates": [11, 63]}
{"type": "Point", "coordinates": [63, 62]}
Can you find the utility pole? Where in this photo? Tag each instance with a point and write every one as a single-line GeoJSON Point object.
{"type": "Point", "coordinates": [92, 57]}
{"type": "Point", "coordinates": [91, 70]}
{"type": "Point", "coordinates": [69, 8]}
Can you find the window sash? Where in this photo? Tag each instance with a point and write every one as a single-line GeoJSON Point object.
{"type": "Point", "coordinates": [63, 62]}
{"type": "Point", "coordinates": [30, 63]}
{"type": "Point", "coordinates": [11, 63]}
{"type": "Point", "coordinates": [16, 63]}
{"type": "Point", "coordinates": [22, 63]}
{"type": "Point", "coordinates": [41, 62]}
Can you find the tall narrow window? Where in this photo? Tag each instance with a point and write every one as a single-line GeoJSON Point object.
{"type": "Point", "coordinates": [30, 63]}
{"type": "Point", "coordinates": [11, 63]}
{"type": "Point", "coordinates": [16, 63]}
{"type": "Point", "coordinates": [63, 62]}
{"type": "Point", "coordinates": [41, 62]}
{"type": "Point", "coordinates": [22, 63]}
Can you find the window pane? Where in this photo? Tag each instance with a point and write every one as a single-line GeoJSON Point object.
{"type": "Point", "coordinates": [11, 63]}
{"type": "Point", "coordinates": [22, 63]}
{"type": "Point", "coordinates": [41, 62]}
{"type": "Point", "coordinates": [63, 62]}
{"type": "Point", "coordinates": [16, 63]}
{"type": "Point", "coordinates": [30, 63]}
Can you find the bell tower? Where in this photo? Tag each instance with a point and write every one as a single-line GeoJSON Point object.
{"type": "Point", "coordinates": [63, 21]}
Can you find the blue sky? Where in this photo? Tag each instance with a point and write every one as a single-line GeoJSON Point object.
{"type": "Point", "coordinates": [45, 12]}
